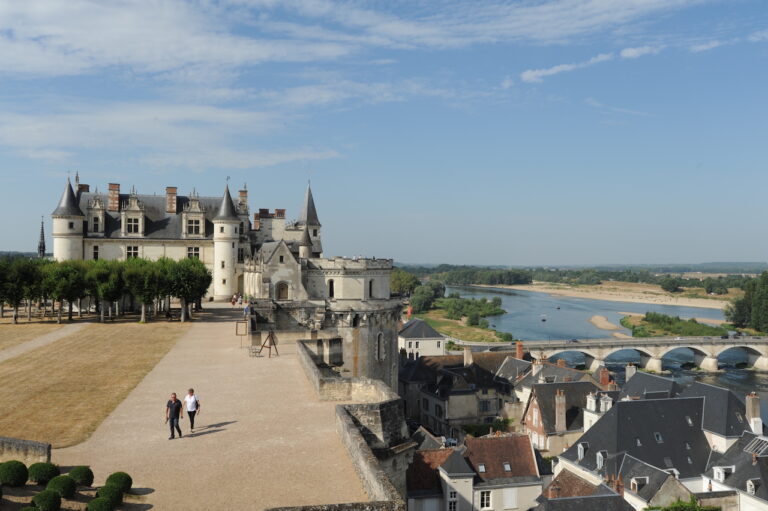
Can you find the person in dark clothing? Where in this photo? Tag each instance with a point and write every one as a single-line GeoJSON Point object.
{"type": "Point", "coordinates": [173, 412]}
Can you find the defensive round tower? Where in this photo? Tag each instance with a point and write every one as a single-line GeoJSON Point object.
{"type": "Point", "coordinates": [226, 226]}
{"type": "Point", "coordinates": [67, 232]}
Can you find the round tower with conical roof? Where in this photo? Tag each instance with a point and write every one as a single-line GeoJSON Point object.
{"type": "Point", "coordinates": [67, 232]}
{"type": "Point", "coordinates": [226, 225]}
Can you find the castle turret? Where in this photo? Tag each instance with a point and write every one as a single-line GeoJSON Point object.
{"type": "Point", "coordinates": [309, 220]}
{"type": "Point", "coordinates": [226, 226]}
{"type": "Point", "coordinates": [41, 243]}
{"type": "Point", "coordinates": [305, 245]}
{"type": "Point", "coordinates": [68, 220]}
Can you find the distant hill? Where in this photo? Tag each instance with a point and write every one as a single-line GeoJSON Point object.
{"type": "Point", "coordinates": [714, 267]}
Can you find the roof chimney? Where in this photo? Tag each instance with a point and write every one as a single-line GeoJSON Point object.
{"type": "Point", "coordinates": [170, 199]}
{"type": "Point", "coordinates": [629, 371]}
{"type": "Point", "coordinates": [113, 197]}
{"type": "Point", "coordinates": [560, 411]}
{"type": "Point", "coordinates": [519, 350]}
{"type": "Point", "coordinates": [753, 413]}
{"type": "Point", "coordinates": [536, 367]}
{"type": "Point", "coordinates": [467, 356]}
{"type": "Point", "coordinates": [620, 486]}
{"type": "Point", "coordinates": [243, 196]}
{"type": "Point", "coordinates": [605, 376]}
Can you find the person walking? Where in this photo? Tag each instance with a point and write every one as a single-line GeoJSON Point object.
{"type": "Point", "coordinates": [173, 412]}
{"type": "Point", "coordinates": [193, 407]}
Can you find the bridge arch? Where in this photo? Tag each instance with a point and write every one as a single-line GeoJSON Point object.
{"type": "Point", "coordinates": [589, 355]}
{"type": "Point", "coordinates": [754, 357]}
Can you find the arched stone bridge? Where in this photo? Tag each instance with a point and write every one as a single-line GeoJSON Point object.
{"type": "Point", "coordinates": [706, 350]}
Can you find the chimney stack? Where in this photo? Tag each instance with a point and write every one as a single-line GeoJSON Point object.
{"type": "Point", "coordinates": [620, 486]}
{"type": "Point", "coordinates": [243, 196]}
{"type": "Point", "coordinates": [753, 413]}
{"type": "Point", "coordinates": [83, 188]}
{"type": "Point", "coordinates": [170, 199]}
{"type": "Point", "coordinates": [629, 371]}
{"type": "Point", "coordinates": [519, 350]}
{"type": "Point", "coordinates": [113, 198]}
{"type": "Point", "coordinates": [467, 356]}
{"type": "Point", "coordinates": [560, 411]}
{"type": "Point", "coordinates": [605, 377]}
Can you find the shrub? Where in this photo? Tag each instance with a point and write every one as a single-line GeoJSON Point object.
{"type": "Point", "coordinates": [63, 485]}
{"type": "Point", "coordinates": [13, 473]}
{"type": "Point", "coordinates": [47, 500]}
{"type": "Point", "coordinates": [121, 480]}
{"type": "Point", "coordinates": [112, 493]}
{"type": "Point", "coordinates": [100, 504]}
{"type": "Point", "coordinates": [29, 508]}
{"type": "Point", "coordinates": [41, 473]}
{"type": "Point", "coordinates": [83, 476]}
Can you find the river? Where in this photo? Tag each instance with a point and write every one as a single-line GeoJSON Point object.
{"type": "Point", "coordinates": [568, 317]}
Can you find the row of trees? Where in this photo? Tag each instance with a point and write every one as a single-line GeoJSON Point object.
{"type": "Point", "coordinates": [104, 283]}
{"type": "Point", "coordinates": [468, 276]}
{"type": "Point", "coordinates": [751, 310]}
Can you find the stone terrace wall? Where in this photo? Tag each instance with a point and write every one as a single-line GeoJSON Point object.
{"type": "Point", "coordinates": [26, 451]}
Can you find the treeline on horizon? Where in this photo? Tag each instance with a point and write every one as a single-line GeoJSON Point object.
{"type": "Point", "coordinates": [25, 280]}
{"type": "Point", "coordinates": [474, 275]}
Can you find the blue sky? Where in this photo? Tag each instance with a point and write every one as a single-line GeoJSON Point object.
{"type": "Point", "coordinates": [500, 132]}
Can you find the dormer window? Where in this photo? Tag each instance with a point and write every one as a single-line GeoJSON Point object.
{"type": "Point", "coordinates": [314, 233]}
{"type": "Point", "coordinates": [193, 226]}
{"type": "Point", "coordinates": [689, 420]}
{"type": "Point", "coordinates": [507, 467]}
{"type": "Point", "coordinates": [132, 226]}
{"type": "Point", "coordinates": [752, 486]}
{"type": "Point", "coordinates": [739, 417]}
{"type": "Point", "coordinates": [282, 259]}
{"type": "Point", "coordinates": [600, 459]}
{"type": "Point", "coordinates": [638, 483]}
{"type": "Point", "coordinates": [657, 436]}
{"type": "Point", "coordinates": [583, 446]}
{"type": "Point", "coordinates": [687, 446]}
{"type": "Point", "coordinates": [481, 468]}
{"type": "Point", "coordinates": [95, 224]}
{"type": "Point", "coordinates": [721, 473]}
{"type": "Point", "coordinates": [638, 442]}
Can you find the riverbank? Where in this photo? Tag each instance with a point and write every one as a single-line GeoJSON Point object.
{"type": "Point", "coordinates": [617, 292]}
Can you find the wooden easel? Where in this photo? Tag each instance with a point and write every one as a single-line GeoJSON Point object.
{"type": "Point", "coordinates": [269, 343]}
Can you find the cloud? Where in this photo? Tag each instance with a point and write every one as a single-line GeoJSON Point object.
{"type": "Point", "coordinates": [507, 82]}
{"type": "Point", "coordinates": [158, 134]}
{"type": "Point", "coordinates": [601, 106]}
{"type": "Point", "coordinates": [538, 75]}
{"type": "Point", "coordinates": [756, 37]}
{"type": "Point", "coordinates": [633, 53]}
{"type": "Point", "coordinates": [697, 48]}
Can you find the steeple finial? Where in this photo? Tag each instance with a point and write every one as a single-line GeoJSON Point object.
{"type": "Point", "coordinates": [77, 179]}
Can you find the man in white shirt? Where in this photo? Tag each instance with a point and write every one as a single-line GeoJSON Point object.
{"type": "Point", "coordinates": [193, 407]}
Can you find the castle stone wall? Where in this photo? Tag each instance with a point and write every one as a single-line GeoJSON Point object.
{"type": "Point", "coordinates": [25, 451]}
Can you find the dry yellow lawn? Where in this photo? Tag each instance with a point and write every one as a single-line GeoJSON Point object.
{"type": "Point", "coordinates": [60, 393]}
{"type": "Point", "coordinates": [11, 335]}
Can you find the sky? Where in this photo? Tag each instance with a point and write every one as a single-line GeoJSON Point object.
{"type": "Point", "coordinates": [514, 132]}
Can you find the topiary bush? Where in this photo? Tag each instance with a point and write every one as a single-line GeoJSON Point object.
{"type": "Point", "coordinates": [100, 504]}
{"type": "Point", "coordinates": [121, 480]}
{"type": "Point", "coordinates": [41, 473]}
{"type": "Point", "coordinates": [63, 485]}
{"type": "Point", "coordinates": [47, 500]}
{"type": "Point", "coordinates": [83, 476]}
{"type": "Point", "coordinates": [112, 493]}
{"type": "Point", "coordinates": [13, 473]}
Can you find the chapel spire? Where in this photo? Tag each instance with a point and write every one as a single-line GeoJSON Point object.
{"type": "Point", "coordinates": [309, 213]}
{"type": "Point", "coordinates": [41, 243]}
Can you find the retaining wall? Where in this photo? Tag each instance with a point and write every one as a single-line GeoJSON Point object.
{"type": "Point", "coordinates": [26, 451]}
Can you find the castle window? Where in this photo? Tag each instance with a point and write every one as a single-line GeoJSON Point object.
{"type": "Point", "coordinates": [241, 228]}
{"type": "Point", "coordinates": [95, 224]}
{"type": "Point", "coordinates": [193, 226]}
{"type": "Point", "coordinates": [193, 252]}
{"type": "Point", "coordinates": [71, 225]}
{"type": "Point", "coordinates": [282, 259]}
{"type": "Point", "coordinates": [282, 291]}
{"type": "Point", "coordinates": [132, 252]}
{"type": "Point", "coordinates": [222, 264]}
{"type": "Point", "coordinates": [331, 290]}
{"type": "Point", "coordinates": [221, 229]}
{"type": "Point", "coordinates": [370, 288]}
{"type": "Point", "coordinates": [132, 225]}
{"type": "Point", "coordinates": [314, 233]}
{"type": "Point", "coordinates": [96, 253]}
{"type": "Point", "coordinates": [223, 281]}
{"type": "Point", "coordinates": [380, 346]}
{"type": "Point", "coordinates": [240, 255]}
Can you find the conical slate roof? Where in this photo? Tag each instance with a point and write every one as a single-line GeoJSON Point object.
{"type": "Point", "coordinates": [306, 241]}
{"type": "Point", "coordinates": [309, 213]}
{"type": "Point", "coordinates": [68, 203]}
{"type": "Point", "coordinates": [227, 209]}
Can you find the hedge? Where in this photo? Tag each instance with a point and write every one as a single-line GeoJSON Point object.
{"type": "Point", "coordinates": [41, 473]}
{"type": "Point", "coordinates": [100, 504]}
{"type": "Point", "coordinates": [82, 475]}
{"type": "Point", "coordinates": [112, 493]}
{"type": "Point", "coordinates": [121, 480]}
{"type": "Point", "coordinates": [47, 500]}
{"type": "Point", "coordinates": [63, 485]}
{"type": "Point", "coordinates": [13, 473]}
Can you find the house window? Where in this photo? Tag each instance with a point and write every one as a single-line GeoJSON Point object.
{"type": "Point", "coordinates": [600, 460]}
{"type": "Point", "coordinates": [438, 344]}
{"type": "Point", "coordinates": [439, 411]}
{"type": "Point", "coordinates": [331, 292]}
{"type": "Point", "coordinates": [485, 499]}
{"type": "Point", "coordinates": [282, 259]}
{"type": "Point", "coordinates": [580, 451]}
{"type": "Point", "coordinates": [451, 494]}
{"type": "Point", "coordinates": [132, 225]}
{"type": "Point", "coordinates": [95, 224]}
{"type": "Point", "coordinates": [510, 498]}
{"type": "Point", "coordinates": [96, 252]}
{"type": "Point", "coordinates": [485, 405]}
{"type": "Point", "coordinates": [221, 229]}
{"type": "Point", "coordinates": [425, 404]}
{"type": "Point", "coordinates": [481, 468]}
{"type": "Point", "coordinates": [507, 467]}
{"type": "Point", "coordinates": [751, 487]}
{"type": "Point", "coordinates": [417, 344]}
{"type": "Point", "coordinates": [452, 505]}
{"type": "Point", "coordinates": [409, 343]}
{"type": "Point", "coordinates": [193, 252]}
{"type": "Point", "coordinates": [222, 264]}
{"type": "Point", "coordinates": [193, 226]}
{"type": "Point", "coordinates": [657, 436]}
{"type": "Point", "coordinates": [132, 251]}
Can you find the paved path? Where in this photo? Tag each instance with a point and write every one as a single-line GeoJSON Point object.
{"type": "Point", "coordinates": [262, 439]}
{"type": "Point", "coordinates": [39, 342]}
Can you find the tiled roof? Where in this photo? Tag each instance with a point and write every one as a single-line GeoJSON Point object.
{"type": "Point", "coordinates": [495, 451]}
{"type": "Point", "coordinates": [569, 484]}
{"type": "Point", "coordinates": [68, 205]}
{"type": "Point", "coordinates": [747, 465]}
{"type": "Point", "coordinates": [609, 502]}
{"type": "Point", "coordinates": [649, 386]}
{"type": "Point", "coordinates": [456, 465]}
{"type": "Point", "coordinates": [724, 412]}
{"type": "Point", "coordinates": [419, 329]}
{"type": "Point", "coordinates": [422, 472]}
{"type": "Point", "coordinates": [575, 401]}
